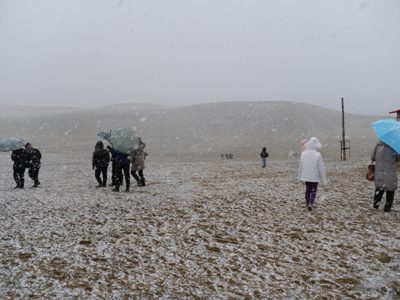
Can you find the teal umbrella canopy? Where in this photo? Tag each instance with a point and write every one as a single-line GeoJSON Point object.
{"type": "Point", "coordinates": [388, 131]}
{"type": "Point", "coordinates": [11, 144]}
{"type": "Point", "coordinates": [124, 140]}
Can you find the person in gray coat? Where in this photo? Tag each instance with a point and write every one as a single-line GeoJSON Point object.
{"type": "Point", "coordinates": [385, 159]}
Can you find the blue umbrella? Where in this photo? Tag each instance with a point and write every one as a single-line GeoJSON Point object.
{"type": "Point", "coordinates": [11, 144]}
{"type": "Point", "coordinates": [388, 131]}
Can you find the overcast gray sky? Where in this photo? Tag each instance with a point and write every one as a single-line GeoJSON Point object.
{"type": "Point", "coordinates": [89, 53]}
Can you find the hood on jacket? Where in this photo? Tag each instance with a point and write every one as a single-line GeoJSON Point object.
{"type": "Point", "coordinates": [99, 145]}
{"type": "Point", "coordinates": [313, 144]}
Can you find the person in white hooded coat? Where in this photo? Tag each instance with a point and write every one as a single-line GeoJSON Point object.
{"type": "Point", "coordinates": [312, 170]}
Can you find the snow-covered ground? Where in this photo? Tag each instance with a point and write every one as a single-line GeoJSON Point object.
{"type": "Point", "coordinates": [222, 229]}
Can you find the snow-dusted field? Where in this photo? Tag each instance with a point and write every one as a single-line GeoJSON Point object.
{"type": "Point", "coordinates": [223, 229]}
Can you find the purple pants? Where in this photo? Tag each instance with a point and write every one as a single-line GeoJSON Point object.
{"type": "Point", "coordinates": [311, 192]}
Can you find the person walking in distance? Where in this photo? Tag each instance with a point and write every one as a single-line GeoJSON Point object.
{"type": "Point", "coordinates": [100, 160]}
{"type": "Point", "coordinates": [312, 170]}
{"type": "Point", "coordinates": [137, 159]}
{"type": "Point", "coordinates": [385, 159]}
{"type": "Point", "coordinates": [33, 163]}
{"type": "Point", "coordinates": [19, 157]}
{"type": "Point", "coordinates": [264, 154]}
{"type": "Point", "coordinates": [121, 170]}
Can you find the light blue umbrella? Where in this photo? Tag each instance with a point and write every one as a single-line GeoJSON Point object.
{"type": "Point", "coordinates": [11, 144]}
{"type": "Point", "coordinates": [124, 140]}
{"type": "Point", "coordinates": [388, 131]}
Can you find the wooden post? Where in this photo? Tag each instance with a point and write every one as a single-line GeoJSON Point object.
{"type": "Point", "coordinates": [344, 144]}
{"type": "Point", "coordinates": [343, 134]}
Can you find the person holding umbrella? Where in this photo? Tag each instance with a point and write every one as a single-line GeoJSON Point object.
{"type": "Point", "coordinates": [19, 157]}
{"type": "Point", "coordinates": [385, 159]}
{"type": "Point", "coordinates": [121, 169]}
{"type": "Point", "coordinates": [385, 156]}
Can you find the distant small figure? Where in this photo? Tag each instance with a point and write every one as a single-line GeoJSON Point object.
{"type": "Point", "coordinates": [100, 160]}
{"type": "Point", "coordinates": [222, 156]}
{"type": "Point", "coordinates": [33, 163]}
{"type": "Point", "coordinates": [137, 160]}
{"type": "Point", "coordinates": [226, 156]}
{"type": "Point", "coordinates": [19, 157]}
{"type": "Point", "coordinates": [230, 156]}
{"type": "Point", "coordinates": [145, 155]}
{"type": "Point", "coordinates": [385, 159]}
{"type": "Point", "coordinates": [312, 170]}
{"type": "Point", "coordinates": [264, 154]}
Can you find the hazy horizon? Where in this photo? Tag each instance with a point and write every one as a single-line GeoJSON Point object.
{"type": "Point", "coordinates": [90, 54]}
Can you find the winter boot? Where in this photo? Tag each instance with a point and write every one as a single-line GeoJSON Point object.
{"type": "Point", "coordinates": [142, 182]}
{"type": "Point", "coordinates": [127, 190]}
{"type": "Point", "coordinates": [36, 183]}
{"type": "Point", "coordinates": [389, 201]}
{"type": "Point", "coordinates": [378, 198]}
{"type": "Point", "coordinates": [116, 188]}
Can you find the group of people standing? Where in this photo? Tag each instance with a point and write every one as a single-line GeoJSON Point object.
{"type": "Point", "coordinates": [121, 164]}
{"type": "Point", "coordinates": [26, 158]}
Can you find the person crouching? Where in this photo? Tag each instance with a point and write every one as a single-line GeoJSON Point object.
{"type": "Point", "coordinates": [101, 158]}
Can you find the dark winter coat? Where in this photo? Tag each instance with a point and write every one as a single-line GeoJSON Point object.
{"type": "Point", "coordinates": [385, 167]}
{"type": "Point", "coordinates": [101, 158]}
{"type": "Point", "coordinates": [120, 158]}
{"type": "Point", "coordinates": [264, 153]}
{"type": "Point", "coordinates": [20, 158]}
{"type": "Point", "coordinates": [34, 157]}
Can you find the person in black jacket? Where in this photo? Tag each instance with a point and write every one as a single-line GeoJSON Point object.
{"type": "Point", "coordinates": [19, 157]}
{"type": "Point", "coordinates": [264, 154]}
{"type": "Point", "coordinates": [113, 166]}
{"type": "Point", "coordinates": [33, 163]}
{"type": "Point", "coordinates": [101, 158]}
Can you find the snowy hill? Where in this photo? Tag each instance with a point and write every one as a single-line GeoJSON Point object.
{"type": "Point", "coordinates": [199, 131]}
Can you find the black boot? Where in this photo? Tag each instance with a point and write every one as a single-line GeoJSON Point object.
{"type": "Point", "coordinates": [378, 197]}
{"type": "Point", "coordinates": [389, 201]}
{"type": "Point", "coordinates": [142, 182]}
{"type": "Point", "coordinates": [36, 183]}
{"type": "Point", "coordinates": [116, 188]}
